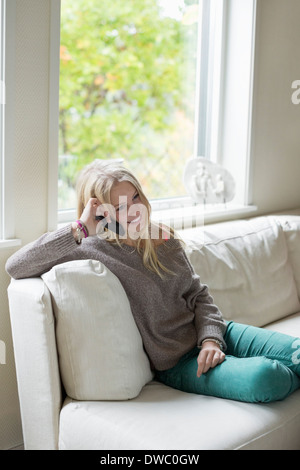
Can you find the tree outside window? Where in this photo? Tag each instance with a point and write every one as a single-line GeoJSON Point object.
{"type": "Point", "coordinates": [127, 90]}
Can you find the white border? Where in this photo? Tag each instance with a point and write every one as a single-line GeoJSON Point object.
{"type": "Point", "coordinates": [236, 97]}
{"type": "Point", "coordinates": [248, 194]}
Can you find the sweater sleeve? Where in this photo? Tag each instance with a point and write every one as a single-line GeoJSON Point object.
{"type": "Point", "coordinates": [209, 322]}
{"type": "Point", "coordinates": [41, 255]}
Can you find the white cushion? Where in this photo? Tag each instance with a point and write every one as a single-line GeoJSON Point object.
{"type": "Point", "coordinates": [35, 354]}
{"type": "Point", "coordinates": [291, 228]}
{"type": "Point", "coordinates": [288, 325]}
{"type": "Point", "coordinates": [168, 419]}
{"type": "Point", "coordinates": [247, 268]}
{"type": "Point", "coordinates": [100, 349]}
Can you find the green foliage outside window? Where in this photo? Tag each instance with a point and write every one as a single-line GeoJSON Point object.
{"type": "Point", "coordinates": [127, 90]}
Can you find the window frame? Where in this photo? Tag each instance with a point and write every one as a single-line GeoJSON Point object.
{"type": "Point", "coordinates": [211, 51]}
{"type": "Point", "coordinates": [213, 137]}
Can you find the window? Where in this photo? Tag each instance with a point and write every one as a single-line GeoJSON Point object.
{"type": "Point", "coordinates": [153, 86]}
{"type": "Point", "coordinates": [127, 89]}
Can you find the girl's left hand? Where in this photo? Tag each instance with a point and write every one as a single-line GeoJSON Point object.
{"type": "Point", "coordinates": [209, 356]}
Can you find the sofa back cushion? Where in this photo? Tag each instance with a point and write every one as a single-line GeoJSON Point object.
{"type": "Point", "coordinates": [100, 349]}
{"type": "Point", "coordinates": [291, 227]}
{"type": "Point", "coordinates": [247, 268]}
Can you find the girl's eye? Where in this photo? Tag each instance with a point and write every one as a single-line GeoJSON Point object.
{"type": "Point", "coordinates": [124, 206]}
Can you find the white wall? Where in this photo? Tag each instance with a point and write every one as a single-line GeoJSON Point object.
{"type": "Point", "coordinates": [276, 131]}
{"type": "Point", "coordinates": [31, 178]}
{"type": "Point", "coordinates": [275, 149]}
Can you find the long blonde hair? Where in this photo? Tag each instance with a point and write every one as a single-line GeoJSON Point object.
{"type": "Point", "coordinates": [96, 181]}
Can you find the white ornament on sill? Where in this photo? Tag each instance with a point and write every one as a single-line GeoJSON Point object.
{"type": "Point", "coordinates": [207, 182]}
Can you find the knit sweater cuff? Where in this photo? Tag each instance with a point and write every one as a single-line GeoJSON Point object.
{"type": "Point", "coordinates": [62, 241]}
{"type": "Point", "coordinates": [212, 332]}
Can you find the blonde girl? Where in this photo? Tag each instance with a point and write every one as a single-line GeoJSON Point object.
{"type": "Point", "coordinates": [189, 345]}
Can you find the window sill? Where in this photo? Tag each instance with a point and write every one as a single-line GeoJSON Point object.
{"type": "Point", "coordinates": [10, 243]}
{"type": "Point", "coordinates": [197, 215]}
{"type": "Point", "coordinates": [185, 215]}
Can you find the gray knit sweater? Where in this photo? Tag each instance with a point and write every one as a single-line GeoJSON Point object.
{"type": "Point", "coordinates": [173, 314]}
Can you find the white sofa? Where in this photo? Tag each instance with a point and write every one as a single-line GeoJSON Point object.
{"type": "Point", "coordinates": [253, 270]}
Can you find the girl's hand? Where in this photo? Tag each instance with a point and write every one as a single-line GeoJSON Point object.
{"type": "Point", "coordinates": [88, 216]}
{"type": "Point", "coordinates": [209, 356]}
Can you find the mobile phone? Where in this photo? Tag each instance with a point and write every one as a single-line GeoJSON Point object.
{"type": "Point", "coordinates": [113, 225]}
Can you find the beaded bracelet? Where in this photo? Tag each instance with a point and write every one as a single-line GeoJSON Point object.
{"type": "Point", "coordinates": [214, 341]}
{"type": "Point", "coordinates": [81, 228]}
{"type": "Point", "coordinates": [78, 236]}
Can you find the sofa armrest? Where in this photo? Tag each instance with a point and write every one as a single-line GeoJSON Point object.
{"type": "Point", "coordinates": [33, 332]}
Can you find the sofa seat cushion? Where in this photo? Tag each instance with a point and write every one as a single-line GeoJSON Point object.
{"type": "Point", "coordinates": [246, 265]}
{"type": "Point", "coordinates": [198, 423]}
{"type": "Point", "coordinates": [100, 349]}
{"type": "Point", "coordinates": [289, 325]}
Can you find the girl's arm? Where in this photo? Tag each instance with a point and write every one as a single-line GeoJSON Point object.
{"type": "Point", "coordinates": [209, 322]}
{"type": "Point", "coordinates": [52, 248]}
{"type": "Point", "coordinates": [41, 255]}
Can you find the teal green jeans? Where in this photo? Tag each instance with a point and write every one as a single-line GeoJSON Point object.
{"type": "Point", "coordinates": [260, 366]}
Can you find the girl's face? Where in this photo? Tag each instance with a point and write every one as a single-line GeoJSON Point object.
{"type": "Point", "coordinates": [129, 210]}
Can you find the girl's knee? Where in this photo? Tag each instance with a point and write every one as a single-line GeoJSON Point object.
{"type": "Point", "coordinates": [271, 381]}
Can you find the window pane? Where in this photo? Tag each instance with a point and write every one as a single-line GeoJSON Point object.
{"type": "Point", "coordinates": [128, 90]}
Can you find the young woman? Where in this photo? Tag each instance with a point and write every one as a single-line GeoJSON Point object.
{"type": "Point", "coordinates": [188, 343]}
